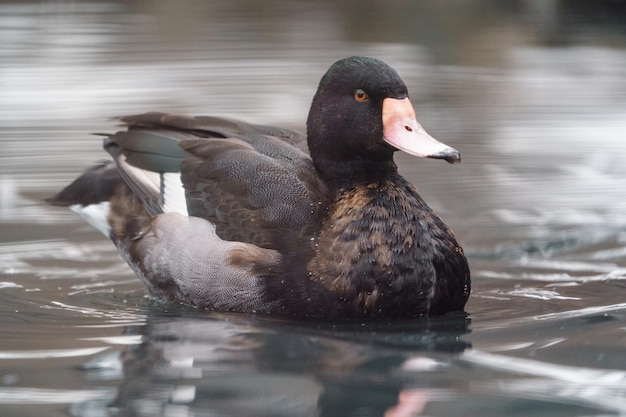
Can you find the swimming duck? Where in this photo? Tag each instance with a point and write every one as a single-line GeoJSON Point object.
{"type": "Point", "coordinates": [232, 216]}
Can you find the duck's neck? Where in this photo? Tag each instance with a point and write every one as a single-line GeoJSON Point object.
{"type": "Point", "coordinates": [340, 176]}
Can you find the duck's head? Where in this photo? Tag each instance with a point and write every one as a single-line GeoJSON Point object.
{"type": "Point", "coordinates": [362, 112]}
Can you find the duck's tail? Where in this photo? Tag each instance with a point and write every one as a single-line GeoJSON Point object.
{"type": "Point", "coordinates": [101, 198]}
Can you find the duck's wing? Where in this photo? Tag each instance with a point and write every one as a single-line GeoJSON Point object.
{"type": "Point", "coordinates": [255, 183]}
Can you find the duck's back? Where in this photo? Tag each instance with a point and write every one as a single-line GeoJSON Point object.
{"type": "Point", "coordinates": [255, 184]}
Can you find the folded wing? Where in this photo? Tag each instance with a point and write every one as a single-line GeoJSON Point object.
{"type": "Point", "coordinates": [255, 183]}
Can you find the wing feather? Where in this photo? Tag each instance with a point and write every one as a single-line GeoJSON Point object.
{"type": "Point", "coordinates": [255, 183]}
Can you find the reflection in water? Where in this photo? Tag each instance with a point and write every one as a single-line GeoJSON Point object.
{"type": "Point", "coordinates": [236, 366]}
{"type": "Point", "coordinates": [531, 92]}
{"type": "Point", "coordinates": [240, 367]}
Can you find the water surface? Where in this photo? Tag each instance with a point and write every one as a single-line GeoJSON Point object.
{"type": "Point", "coordinates": [533, 94]}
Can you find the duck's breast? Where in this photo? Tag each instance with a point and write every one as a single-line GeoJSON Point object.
{"type": "Point", "coordinates": [379, 250]}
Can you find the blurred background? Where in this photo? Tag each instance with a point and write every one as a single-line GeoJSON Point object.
{"type": "Point", "coordinates": [533, 95]}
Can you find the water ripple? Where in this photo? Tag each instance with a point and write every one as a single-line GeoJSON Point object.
{"type": "Point", "coordinates": [47, 354]}
{"type": "Point", "coordinates": [601, 388]}
{"type": "Point", "coordinates": [53, 396]}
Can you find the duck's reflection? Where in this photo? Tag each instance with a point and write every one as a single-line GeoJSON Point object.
{"type": "Point", "coordinates": [242, 366]}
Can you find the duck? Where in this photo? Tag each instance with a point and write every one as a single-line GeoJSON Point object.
{"type": "Point", "coordinates": [230, 216]}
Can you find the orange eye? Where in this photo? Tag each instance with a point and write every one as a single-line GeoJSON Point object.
{"type": "Point", "coordinates": [360, 95]}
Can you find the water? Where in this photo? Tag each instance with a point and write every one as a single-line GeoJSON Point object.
{"type": "Point", "coordinates": [532, 93]}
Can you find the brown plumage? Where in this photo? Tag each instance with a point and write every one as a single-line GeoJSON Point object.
{"type": "Point", "coordinates": [232, 216]}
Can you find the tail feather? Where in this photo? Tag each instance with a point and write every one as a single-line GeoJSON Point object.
{"type": "Point", "coordinates": [96, 185]}
{"type": "Point", "coordinates": [101, 198]}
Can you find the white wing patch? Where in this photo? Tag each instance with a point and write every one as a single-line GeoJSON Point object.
{"type": "Point", "coordinates": [166, 188]}
{"type": "Point", "coordinates": [96, 215]}
{"type": "Point", "coordinates": [172, 195]}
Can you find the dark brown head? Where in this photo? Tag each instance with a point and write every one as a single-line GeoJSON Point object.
{"type": "Point", "coordinates": [361, 115]}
